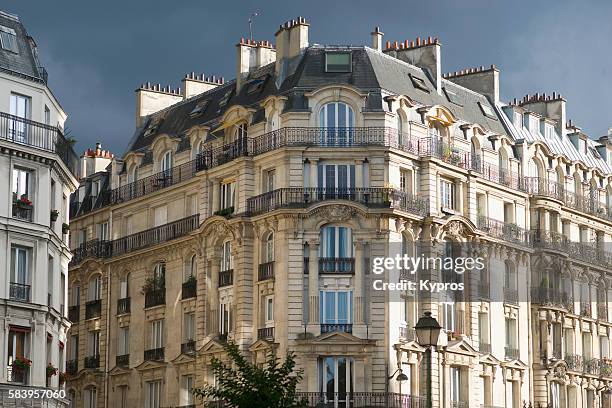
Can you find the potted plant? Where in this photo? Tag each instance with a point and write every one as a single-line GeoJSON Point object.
{"type": "Point", "coordinates": [51, 370]}
{"type": "Point", "coordinates": [65, 228]}
{"type": "Point", "coordinates": [62, 378]}
{"type": "Point", "coordinates": [22, 202]}
{"type": "Point", "coordinates": [21, 363]}
{"type": "Point", "coordinates": [54, 215]}
{"type": "Point", "coordinates": [153, 283]}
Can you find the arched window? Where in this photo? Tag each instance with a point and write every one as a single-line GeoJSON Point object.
{"type": "Point", "coordinates": [95, 288]}
{"type": "Point", "coordinates": [166, 162]}
{"type": "Point", "coordinates": [532, 169]}
{"type": "Point", "coordinates": [191, 268]}
{"type": "Point", "coordinates": [337, 120]}
{"type": "Point", "coordinates": [133, 174]}
{"type": "Point", "coordinates": [241, 131]}
{"type": "Point", "coordinates": [125, 287]}
{"type": "Point", "coordinates": [400, 129]}
{"type": "Point", "coordinates": [159, 275]}
{"type": "Point", "coordinates": [90, 397]}
{"type": "Point", "coordinates": [227, 261]}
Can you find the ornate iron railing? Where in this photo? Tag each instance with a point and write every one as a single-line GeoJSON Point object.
{"type": "Point", "coordinates": [74, 313]}
{"type": "Point", "coordinates": [19, 291]}
{"type": "Point", "coordinates": [91, 249]}
{"type": "Point", "coordinates": [155, 297]}
{"type": "Point", "coordinates": [72, 366]}
{"type": "Point", "coordinates": [361, 400]}
{"type": "Point", "coordinates": [542, 187]}
{"type": "Point", "coordinates": [551, 297]}
{"type": "Point", "coordinates": [574, 362]}
{"type": "Point", "coordinates": [337, 265]}
{"type": "Point", "coordinates": [156, 354]}
{"type": "Point", "coordinates": [226, 278]}
{"type": "Point", "coordinates": [511, 352]}
{"type": "Point", "coordinates": [122, 360]}
{"type": "Point", "coordinates": [484, 347]}
{"type": "Point", "coordinates": [189, 289]}
{"type": "Point", "coordinates": [93, 309]}
{"type": "Point", "coordinates": [17, 376]}
{"type": "Point", "coordinates": [39, 136]}
{"type": "Point", "coordinates": [92, 361]}
{"type": "Point", "coordinates": [336, 327]}
{"type": "Point", "coordinates": [505, 231]}
{"type": "Point", "coordinates": [188, 347]}
{"type": "Point", "coordinates": [511, 296]}
{"type": "Point", "coordinates": [123, 306]}
{"type": "Point", "coordinates": [22, 213]}
{"type": "Point", "coordinates": [266, 333]}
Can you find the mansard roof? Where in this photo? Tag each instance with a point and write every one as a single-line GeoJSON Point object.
{"type": "Point", "coordinates": [24, 62]}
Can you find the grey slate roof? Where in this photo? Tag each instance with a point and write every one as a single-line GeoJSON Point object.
{"type": "Point", "coordinates": [25, 61]}
{"type": "Point", "coordinates": [373, 73]}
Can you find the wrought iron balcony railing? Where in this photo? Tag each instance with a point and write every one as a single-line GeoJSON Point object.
{"type": "Point", "coordinates": [123, 306]}
{"type": "Point", "coordinates": [265, 271]}
{"type": "Point", "coordinates": [93, 309]}
{"type": "Point", "coordinates": [226, 278]}
{"type": "Point", "coordinates": [22, 213]}
{"type": "Point", "coordinates": [38, 136]}
{"type": "Point", "coordinates": [74, 313]}
{"type": "Point", "coordinates": [156, 354]}
{"type": "Point", "coordinates": [574, 362]}
{"type": "Point", "coordinates": [188, 347]}
{"type": "Point", "coordinates": [122, 360]}
{"type": "Point", "coordinates": [551, 297]}
{"type": "Point", "coordinates": [508, 232]}
{"type": "Point", "coordinates": [336, 327]}
{"type": "Point", "coordinates": [92, 361]}
{"type": "Point", "coordinates": [189, 289]}
{"type": "Point", "coordinates": [337, 265]}
{"type": "Point", "coordinates": [361, 400]}
{"type": "Point", "coordinates": [155, 297]}
{"type": "Point", "coordinates": [511, 352]}
{"type": "Point", "coordinates": [17, 376]}
{"type": "Point", "coordinates": [94, 249]}
{"type": "Point", "coordinates": [72, 366]}
{"type": "Point", "coordinates": [19, 291]}
{"type": "Point", "coordinates": [302, 197]}
{"type": "Point", "coordinates": [511, 296]}
{"type": "Point", "coordinates": [542, 187]}
{"type": "Point", "coordinates": [266, 333]}
{"type": "Point", "coordinates": [484, 347]}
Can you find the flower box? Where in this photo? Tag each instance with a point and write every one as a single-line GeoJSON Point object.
{"type": "Point", "coordinates": [21, 363]}
{"type": "Point", "coordinates": [51, 370]}
{"type": "Point", "coordinates": [54, 215]}
{"type": "Point", "coordinates": [65, 228]}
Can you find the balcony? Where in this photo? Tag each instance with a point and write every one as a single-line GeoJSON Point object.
{"type": "Point", "coordinates": [156, 354]}
{"type": "Point", "coordinates": [38, 136]}
{"type": "Point", "coordinates": [303, 197]}
{"type": "Point", "coordinates": [511, 352]}
{"type": "Point", "coordinates": [361, 400]}
{"type": "Point", "coordinates": [336, 327]}
{"type": "Point", "coordinates": [541, 187]}
{"type": "Point", "coordinates": [341, 266]}
{"type": "Point", "coordinates": [94, 249]}
{"type": "Point", "coordinates": [93, 309]}
{"type": "Point", "coordinates": [122, 360]}
{"type": "Point", "coordinates": [72, 366]}
{"type": "Point", "coordinates": [588, 205]}
{"type": "Point", "coordinates": [459, 404]}
{"type": "Point", "coordinates": [574, 362]}
{"type": "Point", "coordinates": [511, 296]}
{"type": "Point", "coordinates": [265, 333]}
{"type": "Point", "coordinates": [508, 232]}
{"type": "Point", "coordinates": [92, 361]}
{"type": "Point", "coordinates": [484, 290]}
{"type": "Point", "coordinates": [19, 291]}
{"type": "Point", "coordinates": [407, 333]}
{"type": "Point", "coordinates": [123, 306]}
{"type": "Point", "coordinates": [497, 175]}
{"type": "Point", "coordinates": [154, 236]}
{"type": "Point", "coordinates": [73, 313]}
{"type": "Point", "coordinates": [17, 376]}
{"type": "Point", "coordinates": [23, 213]}
{"type": "Point", "coordinates": [543, 296]}
{"type": "Point", "coordinates": [266, 271]}
{"type": "Point", "coordinates": [484, 347]}
{"type": "Point", "coordinates": [585, 309]}
{"type": "Point", "coordinates": [155, 297]}
{"type": "Point", "coordinates": [189, 289]}
{"type": "Point", "coordinates": [226, 278]}
{"type": "Point", "coordinates": [590, 365]}
{"type": "Point", "coordinates": [189, 347]}
{"type": "Point", "coordinates": [602, 310]}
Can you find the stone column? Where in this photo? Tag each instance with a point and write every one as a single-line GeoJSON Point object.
{"type": "Point", "coordinates": [359, 293]}
{"type": "Point", "coordinates": [213, 294]}
{"type": "Point", "coordinates": [358, 174]}
{"type": "Point", "coordinates": [313, 287]}
{"type": "Point", "coordinates": [214, 205]}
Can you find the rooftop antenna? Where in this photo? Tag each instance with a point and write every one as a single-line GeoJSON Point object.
{"type": "Point", "coordinates": [255, 14]}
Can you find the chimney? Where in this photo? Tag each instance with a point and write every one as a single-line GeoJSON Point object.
{"type": "Point", "coordinates": [549, 106]}
{"type": "Point", "coordinates": [252, 55]}
{"type": "Point", "coordinates": [482, 80]}
{"type": "Point", "coordinates": [194, 84]}
{"type": "Point", "coordinates": [94, 160]}
{"type": "Point", "coordinates": [424, 54]}
{"type": "Point", "coordinates": [377, 39]}
{"type": "Point", "coordinates": [152, 98]}
{"type": "Point", "coordinates": [291, 41]}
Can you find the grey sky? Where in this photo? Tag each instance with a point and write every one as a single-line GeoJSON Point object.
{"type": "Point", "coordinates": [98, 52]}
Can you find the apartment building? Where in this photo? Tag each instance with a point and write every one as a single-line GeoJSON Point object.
{"type": "Point", "coordinates": [252, 210]}
{"type": "Point", "coordinates": [37, 176]}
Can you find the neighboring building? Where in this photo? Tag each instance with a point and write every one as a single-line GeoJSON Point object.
{"type": "Point", "coordinates": [37, 176]}
{"type": "Point", "coordinates": [252, 210]}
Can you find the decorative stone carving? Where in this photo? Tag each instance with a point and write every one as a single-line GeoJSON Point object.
{"type": "Point", "coordinates": [337, 213]}
{"type": "Point", "coordinates": [456, 229]}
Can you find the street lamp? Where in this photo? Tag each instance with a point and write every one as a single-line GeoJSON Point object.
{"type": "Point", "coordinates": [401, 378]}
{"type": "Point", "coordinates": [428, 331]}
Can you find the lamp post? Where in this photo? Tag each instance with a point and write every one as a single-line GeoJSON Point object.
{"type": "Point", "coordinates": [401, 377]}
{"type": "Point", "coordinates": [427, 332]}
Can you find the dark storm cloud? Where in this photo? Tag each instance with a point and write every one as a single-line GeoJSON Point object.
{"type": "Point", "coordinates": [98, 52]}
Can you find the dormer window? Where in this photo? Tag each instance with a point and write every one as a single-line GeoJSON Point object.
{"type": "Point", "coordinates": [338, 62]}
{"type": "Point", "coordinates": [226, 97]}
{"type": "Point", "coordinates": [518, 120]}
{"type": "Point", "coordinates": [154, 124]}
{"type": "Point", "coordinates": [487, 110]}
{"type": "Point", "coordinates": [256, 85]}
{"type": "Point", "coordinates": [199, 109]}
{"type": "Point", "coordinates": [166, 163]}
{"type": "Point", "coordinates": [8, 39]}
{"type": "Point", "coordinates": [582, 145]}
{"type": "Point", "coordinates": [549, 131]}
{"type": "Point", "coordinates": [419, 83]}
{"type": "Point", "coordinates": [452, 96]}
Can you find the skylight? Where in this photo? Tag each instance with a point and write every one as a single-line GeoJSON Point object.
{"type": "Point", "coordinates": [452, 96]}
{"type": "Point", "coordinates": [337, 62]}
{"type": "Point", "coordinates": [418, 83]}
{"type": "Point", "coordinates": [8, 39]}
{"type": "Point", "coordinates": [199, 108]}
{"type": "Point", "coordinates": [487, 110]}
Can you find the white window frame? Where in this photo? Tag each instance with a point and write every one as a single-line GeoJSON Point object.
{"type": "Point", "coordinates": [323, 169]}
{"type": "Point", "coordinates": [157, 334]}
{"type": "Point", "coordinates": [189, 329]}
{"type": "Point", "coordinates": [225, 317]}
{"type": "Point", "coordinates": [269, 248]}
{"type": "Point", "coordinates": [123, 342]}
{"type": "Point", "coordinates": [227, 196]}
{"type": "Point", "coordinates": [90, 397]}
{"type": "Point", "coordinates": [22, 182]}
{"type": "Point", "coordinates": [21, 277]}
{"type": "Point", "coordinates": [166, 162]}
{"type": "Point", "coordinates": [153, 394]}
{"type": "Point", "coordinates": [187, 385]}
{"type": "Point", "coordinates": [227, 260]}
{"type": "Point", "coordinates": [324, 248]}
{"type": "Point", "coordinates": [269, 309]}
{"type": "Point", "coordinates": [8, 39]}
{"type": "Point", "coordinates": [335, 319]}
{"type": "Point", "coordinates": [94, 288]}
{"type": "Point", "coordinates": [447, 194]}
{"type": "Point", "coordinates": [93, 343]}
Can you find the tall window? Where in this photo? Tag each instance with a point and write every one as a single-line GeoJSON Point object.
{"type": "Point", "coordinates": [332, 176]}
{"type": "Point", "coordinates": [447, 194]}
{"type": "Point", "coordinates": [241, 132]}
{"type": "Point", "coordinates": [153, 394]}
{"type": "Point", "coordinates": [455, 384]}
{"type": "Point", "coordinates": [224, 318]}
{"type": "Point", "coordinates": [406, 181]}
{"type": "Point", "coordinates": [74, 347]}
{"type": "Point", "coordinates": [336, 307]}
{"type": "Point", "coordinates": [102, 231]}
{"type": "Point", "coordinates": [157, 334]}
{"type": "Point", "coordinates": [337, 120]}
{"type": "Point", "coordinates": [18, 343]}
{"type": "Point", "coordinates": [123, 342]}
{"type": "Point", "coordinates": [124, 287]}
{"type": "Point", "coordinates": [269, 248]}
{"type": "Point", "coordinates": [336, 378]}
{"type": "Point", "coordinates": [191, 269]}
{"type": "Point", "coordinates": [93, 343]}
{"type": "Point", "coordinates": [510, 337]}
{"type": "Point", "coordinates": [228, 195]}
{"type": "Point", "coordinates": [269, 309]}
{"type": "Point", "coordinates": [187, 387]}
{"type": "Point", "coordinates": [336, 242]}
{"type": "Point", "coordinates": [20, 108]}
{"type": "Point", "coordinates": [8, 39]}
{"type": "Point", "coordinates": [400, 129]}
{"type": "Point", "coordinates": [159, 275]}
{"type": "Point", "coordinates": [189, 327]}
{"type": "Point", "coordinates": [90, 397]}
{"type": "Point", "coordinates": [20, 273]}
{"type": "Point", "coordinates": [166, 163]}
{"type": "Point", "coordinates": [510, 277]}
{"type": "Point", "coordinates": [133, 174]}
{"type": "Point", "coordinates": [269, 180]}
{"type": "Point", "coordinates": [22, 183]}
{"type": "Point", "coordinates": [95, 288]}
{"type": "Point", "coordinates": [227, 261]}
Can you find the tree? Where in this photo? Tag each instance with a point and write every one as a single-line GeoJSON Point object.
{"type": "Point", "coordinates": [242, 384]}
